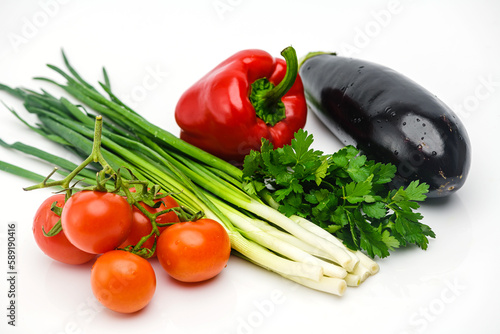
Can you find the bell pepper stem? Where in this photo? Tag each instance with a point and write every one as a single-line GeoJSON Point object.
{"type": "Point", "coordinates": [266, 98]}
{"type": "Point", "coordinates": [292, 66]}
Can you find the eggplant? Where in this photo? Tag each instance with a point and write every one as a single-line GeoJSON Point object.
{"type": "Point", "coordinates": [389, 118]}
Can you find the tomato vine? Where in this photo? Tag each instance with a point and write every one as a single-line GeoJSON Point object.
{"type": "Point", "coordinates": [109, 180]}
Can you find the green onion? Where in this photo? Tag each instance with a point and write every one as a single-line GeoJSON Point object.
{"type": "Point", "coordinates": [292, 247]}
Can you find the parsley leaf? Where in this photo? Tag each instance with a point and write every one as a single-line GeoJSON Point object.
{"type": "Point", "coordinates": [376, 210]}
{"type": "Point", "coordinates": [356, 192]}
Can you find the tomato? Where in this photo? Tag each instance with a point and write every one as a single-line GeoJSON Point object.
{"type": "Point", "coordinates": [194, 251]}
{"type": "Point", "coordinates": [95, 221]}
{"type": "Point", "coordinates": [122, 281]}
{"type": "Point", "coordinates": [58, 246]}
{"type": "Point", "coordinates": [141, 226]}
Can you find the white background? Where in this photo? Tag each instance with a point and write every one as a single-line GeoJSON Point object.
{"type": "Point", "coordinates": [155, 50]}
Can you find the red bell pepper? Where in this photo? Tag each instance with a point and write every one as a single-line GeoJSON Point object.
{"type": "Point", "coordinates": [249, 96]}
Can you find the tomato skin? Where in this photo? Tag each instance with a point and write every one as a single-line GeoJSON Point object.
{"type": "Point", "coordinates": [122, 281]}
{"type": "Point", "coordinates": [58, 246]}
{"type": "Point", "coordinates": [141, 226]}
{"type": "Point", "coordinates": [95, 221]}
{"type": "Point", "coordinates": [194, 251]}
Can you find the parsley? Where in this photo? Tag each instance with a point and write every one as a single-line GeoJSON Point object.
{"type": "Point", "coordinates": [344, 193]}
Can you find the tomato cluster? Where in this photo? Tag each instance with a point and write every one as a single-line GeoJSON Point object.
{"type": "Point", "coordinates": [105, 227]}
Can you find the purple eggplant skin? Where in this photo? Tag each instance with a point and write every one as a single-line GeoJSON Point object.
{"type": "Point", "coordinates": [390, 119]}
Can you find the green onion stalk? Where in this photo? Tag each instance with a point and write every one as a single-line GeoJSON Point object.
{"type": "Point", "coordinates": [292, 247]}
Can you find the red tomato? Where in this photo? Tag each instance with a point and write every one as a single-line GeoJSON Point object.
{"type": "Point", "coordinates": [95, 221]}
{"type": "Point", "coordinates": [194, 251]}
{"type": "Point", "coordinates": [122, 281]}
{"type": "Point", "coordinates": [141, 226]}
{"type": "Point", "coordinates": [57, 247]}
